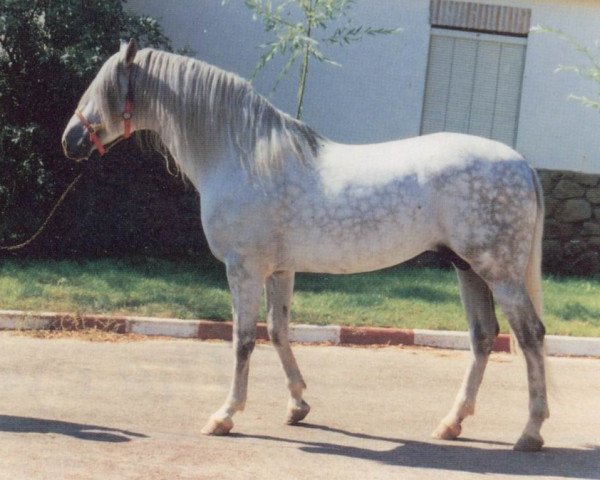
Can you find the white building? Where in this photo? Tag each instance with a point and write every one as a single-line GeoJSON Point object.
{"type": "Point", "coordinates": [458, 66]}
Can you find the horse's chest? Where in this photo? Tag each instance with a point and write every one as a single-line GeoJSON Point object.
{"type": "Point", "coordinates": [236, 221]}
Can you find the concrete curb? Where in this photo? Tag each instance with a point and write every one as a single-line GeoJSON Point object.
{"type": "Point", "coordinates": [337, 335]}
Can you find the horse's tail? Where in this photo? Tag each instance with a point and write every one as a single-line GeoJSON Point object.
{"type": "Point", "coordinates": [533, 275]}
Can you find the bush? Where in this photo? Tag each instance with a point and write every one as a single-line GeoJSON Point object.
{"type": "Point", "coordinates": [50, 50]}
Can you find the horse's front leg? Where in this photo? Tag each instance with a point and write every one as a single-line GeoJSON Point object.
{"type": "Point", "coordinates": [245, 283]}
{"type": "Point", "coordinates": [483, 326]}
{"type": "Point", "coordinates": [279, 288]}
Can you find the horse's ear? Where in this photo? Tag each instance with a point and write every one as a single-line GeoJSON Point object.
{"type": "Point", "coordinates": [128, 51]}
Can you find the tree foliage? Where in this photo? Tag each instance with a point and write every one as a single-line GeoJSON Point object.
{"type": "Point", "coordinates": [300, 29]}
{"type": "Point", "coordinates": [50, 51]}
{"type": "Point", "coordinates": [590, 70]}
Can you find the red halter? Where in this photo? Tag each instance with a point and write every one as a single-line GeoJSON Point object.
{"type": "Point", "coordinates": [92, 129]}
{"type": "Point", "coordinates": [126, 115]}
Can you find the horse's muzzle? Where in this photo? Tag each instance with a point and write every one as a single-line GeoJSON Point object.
{"type": "Point", "coordinates": [77, 145]}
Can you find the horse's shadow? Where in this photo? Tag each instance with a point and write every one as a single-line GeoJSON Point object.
{"type": "Point", "coordinates": [461, 455]}
{"type": "Point", "coordinates": [13, 424]}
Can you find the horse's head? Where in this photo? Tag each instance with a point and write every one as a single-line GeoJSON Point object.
{"type": "Point", "coordinates": [103, 115]}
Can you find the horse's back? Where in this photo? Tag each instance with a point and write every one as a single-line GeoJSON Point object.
{"type": "Point", "coordinates": [427, 154]}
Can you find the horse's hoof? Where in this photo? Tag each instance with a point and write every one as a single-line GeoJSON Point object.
{"type": "Point", "coordinates": [218, 426]}
{"type": "Point", "coordinates": [447, 432]}
{"type": "Point", "coordinates": [527, 443]}
{"type": "Point", "coordinates": [296, 414]}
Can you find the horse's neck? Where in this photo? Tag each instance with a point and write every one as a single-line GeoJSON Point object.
{"type": "Point", "coordinates": [197, 157]}
{"type": "Point", "coordinates": [211, 150]}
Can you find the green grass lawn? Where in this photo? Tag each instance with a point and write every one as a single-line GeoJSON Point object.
{"type": "Point", "coordinates": [196, 288]}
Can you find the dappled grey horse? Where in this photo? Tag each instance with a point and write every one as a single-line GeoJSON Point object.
{"type": "Point", "coordinates": [279, 198]}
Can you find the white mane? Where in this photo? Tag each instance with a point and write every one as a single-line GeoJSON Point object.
{"type": "Point", "coordinates": [202, 108]}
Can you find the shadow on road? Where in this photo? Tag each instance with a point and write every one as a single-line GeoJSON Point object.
{"type": "Point", "coordinates": [94, 433]}
{"type": "Point", "coordinates": [461, 455]}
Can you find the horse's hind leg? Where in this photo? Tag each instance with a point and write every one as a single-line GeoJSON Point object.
{"type": "Point", "coordinates": [483, 326]}
{"type": "Point", "coordinates": [279, 288]}
{"type": "Point", "coordinates": [246, 284]}
{"type": "Point", "coordinates": [516, 304]}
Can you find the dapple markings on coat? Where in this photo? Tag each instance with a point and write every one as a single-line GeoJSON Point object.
{"type": "Point", "coordinates": [278, 198]}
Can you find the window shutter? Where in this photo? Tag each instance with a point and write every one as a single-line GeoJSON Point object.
{"type": "Point", "coordinates": [473, 84]}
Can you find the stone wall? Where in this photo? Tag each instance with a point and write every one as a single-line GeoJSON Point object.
{"type": "Point", "coordinates": [572, 226]}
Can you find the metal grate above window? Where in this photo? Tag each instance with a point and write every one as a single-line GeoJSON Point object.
{"type": "Point", "coordinates": [480, 17]}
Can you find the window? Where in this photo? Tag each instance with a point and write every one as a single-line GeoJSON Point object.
{"type": "Point", "coordinates": [475, 70]}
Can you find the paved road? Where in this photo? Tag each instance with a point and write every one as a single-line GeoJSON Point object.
{"type": "Point", "coordinates": [133, 410]}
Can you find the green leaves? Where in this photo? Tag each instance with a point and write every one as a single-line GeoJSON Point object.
{"type": "Point", "coordinates": [348, 34]}
{"type": "Point", "coordinates": [50, 50]}
{"type": "Point", "coordinates": [591, 71]}
{"type": "Point", "coordinates": [301, 28]}
{"type": "Point", "coordinates": [293, 38]}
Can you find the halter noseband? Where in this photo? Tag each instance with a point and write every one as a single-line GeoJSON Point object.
{"type": "Point", "coordinates": [125, 115]}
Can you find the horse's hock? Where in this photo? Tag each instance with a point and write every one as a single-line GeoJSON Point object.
{"type": "Point", "coordinates": [572, 226]}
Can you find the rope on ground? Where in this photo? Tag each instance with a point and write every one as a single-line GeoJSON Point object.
{"type": "Point", "coordinates": [48, 218]}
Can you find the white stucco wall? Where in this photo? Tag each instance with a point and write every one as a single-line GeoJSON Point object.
{"type": "Point", "coordinates": [555, 132]}
{"type": "Point", "coordinates": [377, 94]}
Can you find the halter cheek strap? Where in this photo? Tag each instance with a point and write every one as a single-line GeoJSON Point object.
{"type": "Point", "coordinates": [92, 129]}
{"type": "Point", "coordinates": [126, 115]}
{"type": "Point", "coordinates": [128, 107]}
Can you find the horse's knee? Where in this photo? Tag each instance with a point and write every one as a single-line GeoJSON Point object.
{"type": "Point", "coordinates": [484, 336]}
{"type": "Point", "coordinates": [274, 335]}
{"type": "Point", "coordinates": [524, 321]}
{"type": "Point", "coordinates": [479, 306]}
{"type": "Point", "coordinates": [244, 347]}
{"type": "Point", "coordinates": [539, 330]}
{"type": "Point", "coordinates": [277, 337]}
{"type": "Point", "coordinates": [530, 333]}
{"type": "Point", "coordinates": [484, 327]}
{"type": "Point", "coordinates": [277, 326]}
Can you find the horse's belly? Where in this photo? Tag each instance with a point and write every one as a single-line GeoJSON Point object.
{"type": "Point", "coordinates": [346, 247]}
{"type": "Point", "coordinates": [360, 225]}
{"type": "Point", "coordinates": [333, 261]}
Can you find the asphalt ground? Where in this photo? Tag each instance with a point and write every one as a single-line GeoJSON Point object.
{"type": "Point", "coordinates": [132, 408]}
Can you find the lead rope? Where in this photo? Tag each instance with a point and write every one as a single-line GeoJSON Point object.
{"type": "Point", "coordinates": [50, 215]}
{"type": "Point", "coordinates": [92, 129]}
